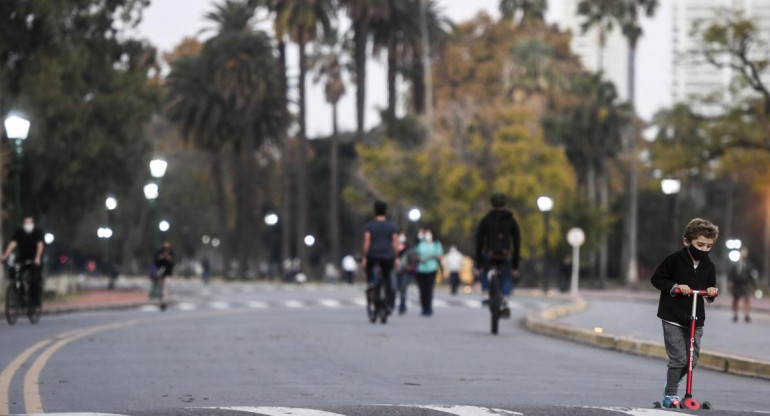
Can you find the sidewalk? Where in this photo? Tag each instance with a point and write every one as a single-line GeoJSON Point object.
{"type": "Point", "coordinates": [97, 299]}
{"type": "Point", "coordinates": [626, 321]}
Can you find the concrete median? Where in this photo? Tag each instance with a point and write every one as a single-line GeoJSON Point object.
{"type": "Point", "coordinates": [545, 322]}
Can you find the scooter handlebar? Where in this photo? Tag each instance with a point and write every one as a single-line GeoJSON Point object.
{"type": "Point", "coordinates": [701, 292]}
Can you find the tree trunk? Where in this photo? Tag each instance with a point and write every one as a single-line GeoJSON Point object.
{"type": "Point", "coordinates": [631, 232]}
{"type": "Point", "coordinates": [360, 38]}
{"type": "Point", "coordinates": [334, 215]}
{"type": "Point", "coordinates": [286, 208]}
{"type": "Point", "coordinates": [219, 183]}
{"type": "Point", "coordinates": [302, 178]}
{"type": "Point", "coordinates": [392, 68]}
{"type": "Point", "coordinates": [604, 202]}
{"type": "Point", "coordinates": [418, 89]}
{"type": "Point", "coordinates": [591, 184]}
{"type": "Point", "coordinates": [240, 233]}
{"type": "Point", "coordinates": [426, 67]}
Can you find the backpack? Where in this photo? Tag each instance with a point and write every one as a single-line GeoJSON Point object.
{"type": "Point", "coordinates": [499, 239]}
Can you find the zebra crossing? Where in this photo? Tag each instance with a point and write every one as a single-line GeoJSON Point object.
{"type": "Point", "coordinates": [188, 305]}
{"type": "Point", "coordinates": [404, 410]}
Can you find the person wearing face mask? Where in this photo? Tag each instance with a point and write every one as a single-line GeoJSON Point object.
{"type": "Point", "coordinates": [29, 240]}
{"type": "Point", "coordinates": [684, 271]}
{"type": "Point", "coordinates": [430, 254]}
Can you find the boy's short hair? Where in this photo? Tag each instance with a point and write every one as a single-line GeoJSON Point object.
{"type": "Point", "coordinates": [700, 227]}
{"type": "Point", "coordinates": [380, 208]}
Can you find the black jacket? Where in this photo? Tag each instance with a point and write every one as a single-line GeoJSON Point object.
{"type": "Point", "coordinates": [677, 269]}
{"type": "Point", "coordinates": [488, 227]}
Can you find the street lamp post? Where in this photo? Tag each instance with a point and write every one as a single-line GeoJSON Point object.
{"type": "Point", "coordinates": [111, 204]}
{"type": "Point", "coordinates": [151, 193]}
{"type": "Point", "coordinates": [545, 205]}
{"type": "Point", "coordinates": [17, 129]}
{"type": "Point", "coordinates": [671, 187]}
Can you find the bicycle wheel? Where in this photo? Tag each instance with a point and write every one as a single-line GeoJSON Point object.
{"type": "Point", "coordinates": [383, 305]}
{"type": "Point", "coordinates": [495, 301]}
{"type": "Point", "coordinates": [12, 304]}
{"type": "Point", "coordinates": [33, 313]}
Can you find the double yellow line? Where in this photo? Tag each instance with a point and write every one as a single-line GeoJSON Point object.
{"type": "Point", "coordinates": [31, 386]}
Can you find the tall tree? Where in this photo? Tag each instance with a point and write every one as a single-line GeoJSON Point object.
{"type": "Point", "coordinates": [361, 13]}
{"type": "Point", "coordinates": [524, 11]}
{"type": "Point", "coordinates": [629, 21]}
{"type": "Point", "coordinates": [304, 21]}
{"type": "Point", "coordinates": [327, 61]}
{"type": "Point", "coordinates": [602, 15]}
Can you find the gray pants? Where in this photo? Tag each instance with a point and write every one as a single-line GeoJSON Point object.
{"type": "Point", "coordinates": [677, 340]}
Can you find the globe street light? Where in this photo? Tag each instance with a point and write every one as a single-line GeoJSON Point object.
{"type": "Point", "coordinates": [151, 191]}
{"type": "Point", "coordinates": [545, 205]}
{"type": "Point", "coordinates": [271, 219]}
{"type": "Point", "coordinates": [164, 226]}
{"type": "Point", "coordinates": [672, 187]}
{"type": "Point", "coordinates": [49, 238]}
{"type": "Point", "coordinates": [415, 214]}
{"type": "Point", "coordinates": [111, 203]}
{"type": "Point", "coordinates": [309, 240]}
{"type": "Point", "coordinates": [158, 168]}
{"type": "Point", "coordinates": [17, 129]}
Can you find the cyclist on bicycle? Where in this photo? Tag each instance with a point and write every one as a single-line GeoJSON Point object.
{"type": "Point", "coordinates": [29, 240]}
{"type": "Point", "coordinates": [164, 265]}
{"type": "Point", "coordinates": [380, 247]}
{"type": "Point", "coordinates": [498, 243]}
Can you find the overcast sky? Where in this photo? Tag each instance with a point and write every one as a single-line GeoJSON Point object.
{"type": "Point", "coordinates": [166, 22]}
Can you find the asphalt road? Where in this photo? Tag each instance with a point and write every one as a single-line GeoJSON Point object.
{"type": "Point", "coordinates": [265, 347]}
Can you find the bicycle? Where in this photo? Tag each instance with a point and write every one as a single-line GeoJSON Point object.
{"type": "Point", "coordinates": [17, 295]}
{"type": "Point", "coordinates": [376, 300]}
{"type": "Point", "coordinates": [497, 309]}
{"type": "Point", "coordinates": [157, 289]}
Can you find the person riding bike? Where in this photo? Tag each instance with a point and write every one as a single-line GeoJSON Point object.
{"type": "Point", "coordinates": [164, 265]}
{"type": "Point", "coordinates": [29, 240]}
{"type": "Point", "coordinates": [498, 243]}
{"type": "Point", "coordinates": [380, 248]}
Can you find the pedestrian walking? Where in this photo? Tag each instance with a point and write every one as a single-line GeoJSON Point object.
{"type": "Point", "coordinates": [430, 253]}
{"type": "Point", "coordinates": [404, 273]}
{"type": "Point", "coordinates": [741, 282]}
{"type": "Point", "coordinates": [206, 270]}
{"type": "Point", "coordinates": [676, 277]}
{"type": "Point", "coordinates": [454, 264]}
{"type": "Point", "coordinates": [349, 266]}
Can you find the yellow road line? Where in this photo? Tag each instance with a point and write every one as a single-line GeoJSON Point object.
{"type": "Point", "coordinates": [7, 375]}
{"type": "Point", "coordinates": [32, 401]}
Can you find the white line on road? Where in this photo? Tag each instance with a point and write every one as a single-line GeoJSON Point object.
{"type": "Point", "coordinates": [187, 306]}
{"type": "Point", "coordinates": [471, 303]}
{"type": "Point", "coordinates": [440, 303]}
{"type": "Point", "coordinates": [255, 304]}
{"type": "Point", "coordinates": [293, 304]}
{"type": "Point", "coordinates": [635, 411]}
{"type": "Point", "coordinates": [278, 411]}
{"type": "Point", "coordinates": [359, 301]}
{"type": "Point", "coordinates": [468, 410]}
{"type": "Point", "coordinates": [219, 305]}
{"type": "Point", "coordinates": [330, 303]}
{"type": "Point", "coordinates": [149, 308]}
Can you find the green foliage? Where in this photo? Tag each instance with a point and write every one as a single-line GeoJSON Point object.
{"type": "Point", "coordinates": [71, 68]}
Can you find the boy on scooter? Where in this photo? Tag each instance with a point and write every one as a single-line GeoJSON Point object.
{"type": "Point", "coordinates": [676, 277]}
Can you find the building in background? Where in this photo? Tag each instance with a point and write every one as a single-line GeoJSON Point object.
{"type": "Point", "coordinates": [692, 77]}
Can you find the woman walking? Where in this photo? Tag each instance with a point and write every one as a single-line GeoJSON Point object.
{"type": "Point", "coordinates": [430, 253]}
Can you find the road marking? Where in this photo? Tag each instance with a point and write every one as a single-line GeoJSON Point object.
{"type": "Point", "coordinates": [255, 304]}
{"type": "Point", "coordinates": [468, 410]}
{"type": "Point", "coordinates": [278, 411]}
{"type": "Point", "coordinates": [219, 305]}
{"type": "Point", "coordinates": [187, 306]}
{"type": "Point", "coordinates": [359, 301]}
{"type": "Point", "coordinates": [293, 304]}
{"type": "Point", "coordinates": [440, 303]}
{"type": "Point", "coordinates": [7, 375]}
{"type": "Point", "coordinates": [635, 411]}
{"type": "Point", "coordinates": [149, 308]}
{"type": "Point", "coordinates": [472, 303]}
{"type": "Point", "coordinates": [330, 303]}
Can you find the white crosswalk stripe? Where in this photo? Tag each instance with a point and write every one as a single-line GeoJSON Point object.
{"type": "Point", "coordinates": [469, 410]}
{"type": "Point", "coordinates": [185, 306]}
{"type": "Point", "coordinates": [330, 303]}
{"type": "Point", "coordinates": [255, 304]}
{"type": "Point", "coordinates": [280, 411]}
{"type": "Point", "coordinates": [219, 305]}
{"type": "Point", "coordinates": [293, 304]}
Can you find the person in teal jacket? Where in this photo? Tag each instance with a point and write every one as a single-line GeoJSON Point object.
{"type": "Point", "coordinates": [430, 253]}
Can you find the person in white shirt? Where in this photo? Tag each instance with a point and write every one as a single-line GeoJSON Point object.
{"type": "Point", "coordinates": [350, 266]}
{"type": "Point", "coordinates": [454, 263]}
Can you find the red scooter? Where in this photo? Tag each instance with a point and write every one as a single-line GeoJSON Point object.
{"type": "Point", "coordinates": [689, 402]}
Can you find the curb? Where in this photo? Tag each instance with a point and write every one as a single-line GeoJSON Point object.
{"type": "Point", "coordinates": [98, 308]}
{"type": "Point", "coordinates": [543, 322]}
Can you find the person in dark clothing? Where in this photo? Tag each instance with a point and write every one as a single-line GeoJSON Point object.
{"type": "Point", "coordinates": [380, 248]}
{"type": "Point", "coordinates": [498, 242]}
{"type": "Point", "coordinates": [29, 241]}
{"type": "Point", "coordinates": [684, 271]}
{"type": "Point", "coordinates": [741, 283]}
{"type": "Point", "coordinates": [164, 261]}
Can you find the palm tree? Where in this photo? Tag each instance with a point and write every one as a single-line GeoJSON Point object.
{"type": "Point", "coordinates": [437, 28]}
{"type": "Point", "coordinates": [303, 21]}
{"type": "Point", "coordinates": [329, 68]}
{"type": "Point", "coordinates": [361, 13]}
{"type": "Point", "coordinates": [600, 14]}
{"type": "Point", "coordinates": [530, 10]}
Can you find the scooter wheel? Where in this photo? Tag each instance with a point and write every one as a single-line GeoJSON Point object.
{"type": "Point", "coordinates": [706, 405]}
{"type": "Point", "coordinates": [657, 405]}
{"type": "Point", "coordinates": [690, 403]}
